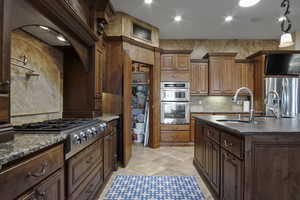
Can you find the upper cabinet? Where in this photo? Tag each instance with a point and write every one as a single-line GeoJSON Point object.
{"type": "Point", "coordinates": [222, 73]}
{"type": "Point", "coordinates": [199, 78]}
{"type": "Point", "coordinates": [176, 60]}
{"type": "Point", "coordinates": [245, 70]}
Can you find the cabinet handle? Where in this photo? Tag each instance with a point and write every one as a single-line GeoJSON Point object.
{"type": "Point", "coordinates": [227, 144]}
{"type": "Point", "coordinates": [89, 161]}
{"type": "Point", "coordinates": [4, 83]}
{"type": "Point", "coordinates": [41, 173]}
{"type": "Point", "coordinates": [40, 195]}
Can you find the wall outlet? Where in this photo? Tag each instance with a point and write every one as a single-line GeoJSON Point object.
{"type": "Point", "coordinates": [200, 102]}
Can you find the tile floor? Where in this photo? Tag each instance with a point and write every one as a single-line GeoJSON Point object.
{"type": "Point", "coordinates": [165, 161]}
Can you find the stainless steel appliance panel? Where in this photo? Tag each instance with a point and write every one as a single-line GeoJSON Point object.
{"type": "Point", "coordinates": [175, 113]}
{"type": "Point", "coordinates": [288, 90]}
{"type": "Point", "coordinates": [175, 91]}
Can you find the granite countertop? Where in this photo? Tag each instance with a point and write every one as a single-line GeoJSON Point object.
{"type": "Point", "coordinates": [107, 117]}
{"type": "Point", "coordinates": [25, 144]}
{"type": "Point", "coordinates": [265, 126]}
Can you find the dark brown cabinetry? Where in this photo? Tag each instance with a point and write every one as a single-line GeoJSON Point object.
{"type": "Point", "coordinates": [247, 167]}
{"type": "Point", "coordinates": [52, 188]}
{"type": "Point", "coordinates": [108, 155]}
{"type": "Point", "coordinates": [199, 78]}
{"type": "Point", "coordinates": [31, 175]}
{"type": "Point", "coordinates": [231, 177]}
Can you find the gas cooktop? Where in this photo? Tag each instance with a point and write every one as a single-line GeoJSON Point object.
{"type": "Point", "coordinates": [56, 125]}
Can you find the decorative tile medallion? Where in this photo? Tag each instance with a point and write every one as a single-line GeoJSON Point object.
{"type": "Point", "coordinates": [125, 187]}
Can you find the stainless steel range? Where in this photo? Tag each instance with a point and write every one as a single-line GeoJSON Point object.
{"type": "Point", "coordinates": [80, 132]}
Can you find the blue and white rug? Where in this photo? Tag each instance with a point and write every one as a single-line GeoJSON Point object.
{"type": "Point", "coordinates": [125, 187]}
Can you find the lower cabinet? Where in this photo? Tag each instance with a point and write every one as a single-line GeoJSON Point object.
{"type": "Point", "coordinates": [52, 188]}
{"type": "Point", "coordinates": [39, 177]}
{"type": "Point", "coordinates": [231, 177]}
{"type": "Point", "coordinates": [108, 155]}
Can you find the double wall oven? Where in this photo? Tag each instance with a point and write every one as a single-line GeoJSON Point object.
{"type": "Point", "coordinates": [175, 102]}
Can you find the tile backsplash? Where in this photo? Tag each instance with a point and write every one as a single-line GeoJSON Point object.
{"type": "Point", "coordinates": [215, 104]}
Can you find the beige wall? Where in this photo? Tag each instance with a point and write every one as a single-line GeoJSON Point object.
{"type": "Point", "coordinates": [244, 48]}
{"type": "Point", "coordinates": [297, 35]}
{"type": "Point", "coordinates": [36, 98]}
{"type": "Point", "coordinates": [121, 24]}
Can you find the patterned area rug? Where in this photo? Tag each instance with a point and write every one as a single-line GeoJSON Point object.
{"type": "Point", "coordinates": [125, 187]}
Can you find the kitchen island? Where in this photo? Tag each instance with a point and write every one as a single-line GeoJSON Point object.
{"type": "Point", "coordinates": [249, 161]}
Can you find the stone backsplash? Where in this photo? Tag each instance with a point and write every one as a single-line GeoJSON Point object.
{"type": "Point", "coordinates": [36, 98]}
{"type": "Point", "coordinates": [215, 104]}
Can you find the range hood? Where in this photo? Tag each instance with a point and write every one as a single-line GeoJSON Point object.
{"type": "Point", "coordinates": [283, 64]}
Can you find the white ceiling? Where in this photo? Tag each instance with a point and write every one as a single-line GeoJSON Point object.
{"type": "Point", "coordinates": [204, 19]}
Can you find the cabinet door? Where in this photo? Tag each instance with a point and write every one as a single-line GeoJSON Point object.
{"type": "Point", "coordinates": [52, 188]}
{"type": "Point", "coordinates": [199, 145]}
{"type": "Point", "coordinates": [215, 167]}
{"type": "Point", "coordinates": [231, 177]}
{"type": "Point", "coordinates": [183, 62]}
{"type": "Point", "coordinates": [108, 156]}
{"type": "Point", "coordinates": [215, 76]}
{"type": "Point", "coordinates": [199, 78]}
{"type": "Point", "coordinates": [245, 75]}
{"type": "Point", "coordinates": [229, 76]}
{"type": "Point", "coordinates": [168, 62]}
{"type": "Point", "coordinates": [4, 109]}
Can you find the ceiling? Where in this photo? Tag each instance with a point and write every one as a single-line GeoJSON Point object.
{"type": "Point", "coordinates": [204, 19]}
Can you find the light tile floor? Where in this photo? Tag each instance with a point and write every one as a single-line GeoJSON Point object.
{"type": "Point", "coordinates": [165, 161]}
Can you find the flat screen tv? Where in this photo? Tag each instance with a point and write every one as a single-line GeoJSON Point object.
{"type": "Point", "coordinates": [283, 64]}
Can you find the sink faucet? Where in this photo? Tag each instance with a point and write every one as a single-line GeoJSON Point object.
{"type": "Point", "coordinates": [275, 111]}
{"type": "Point", "coordinates": [235, 99]}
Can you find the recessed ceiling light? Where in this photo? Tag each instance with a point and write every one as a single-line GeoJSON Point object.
{"type": "Point", "coordinates": [148, 1]}
{"type": "Point", "coordinates": [248, 3]}
{"type": "Point", "coordinates": [282, 18]}
{"type": "Point", "coordinates": [228, 19]}
{"type": "Point", "coordinates": [44, 28]}
{"type": "Point", "coordinates": [61, 38]}
{"type": "Point", "coordinates": [177, 18]}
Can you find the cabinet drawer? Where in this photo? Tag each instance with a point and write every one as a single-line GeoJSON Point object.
{"type": "Point", "coordinates": [212, 134]}
{"type": "Point", "coordinates": [175, 136]}
{"type": "Point", "coordinates": [233, 144]}
{"type": "Point", "coordinates": [80, 166]}
{"type": "Point", "coordinates": [30, 172]}
{"type": "Point", "coordinates": [89, 188]}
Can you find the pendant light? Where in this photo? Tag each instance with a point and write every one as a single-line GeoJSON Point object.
{"type": "Point", "coordinates": [286, 39]}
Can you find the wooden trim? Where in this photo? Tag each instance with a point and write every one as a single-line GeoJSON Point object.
{"type": "Point", "coordinates": [231, 54]}
{"type": "Point", "coordinates": [199, 60]}
{"type": "Point", "coordinates": [176, 51]}
{"type": "Point", "coordinates": [132, 41]}
{"type": "Point", "coordinates": [266, 52]}
{"type": "Point", "coordinates": [64, 14]}
{"type": "Point", "coordinates": [243, 61]}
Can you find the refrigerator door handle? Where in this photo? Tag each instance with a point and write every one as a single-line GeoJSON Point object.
{"type": "Point", "coordinates": [284, 95]}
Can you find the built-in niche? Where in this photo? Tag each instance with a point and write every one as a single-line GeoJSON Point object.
{"type": "Point", "coordinates": [37, 61]}
{"type": "Point", "coordinates": [141, 32]}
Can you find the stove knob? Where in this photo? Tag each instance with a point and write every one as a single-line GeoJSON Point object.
{"type": "Point", "coordinates": [76, 139]}
{"type": "Point", "coordinates": [83, 136]}
{"type": "Point", "coordinates": [89, 133]}
{"type": "Point", "coordinates": [94, 131]}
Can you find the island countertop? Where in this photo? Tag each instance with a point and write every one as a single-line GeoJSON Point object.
{"type": "Point", "coordinates": [25, 144]}
{"type": "Point", "coordinates": [261, 126]}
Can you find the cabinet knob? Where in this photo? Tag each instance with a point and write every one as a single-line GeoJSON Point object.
{"type": "Point", "coordinates": [41, 173]}
{"type": "Point", "coordinates": [227, 144]}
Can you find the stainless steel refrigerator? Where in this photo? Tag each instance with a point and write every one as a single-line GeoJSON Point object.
{"type": "Point", "coordinates": [288, 90]}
